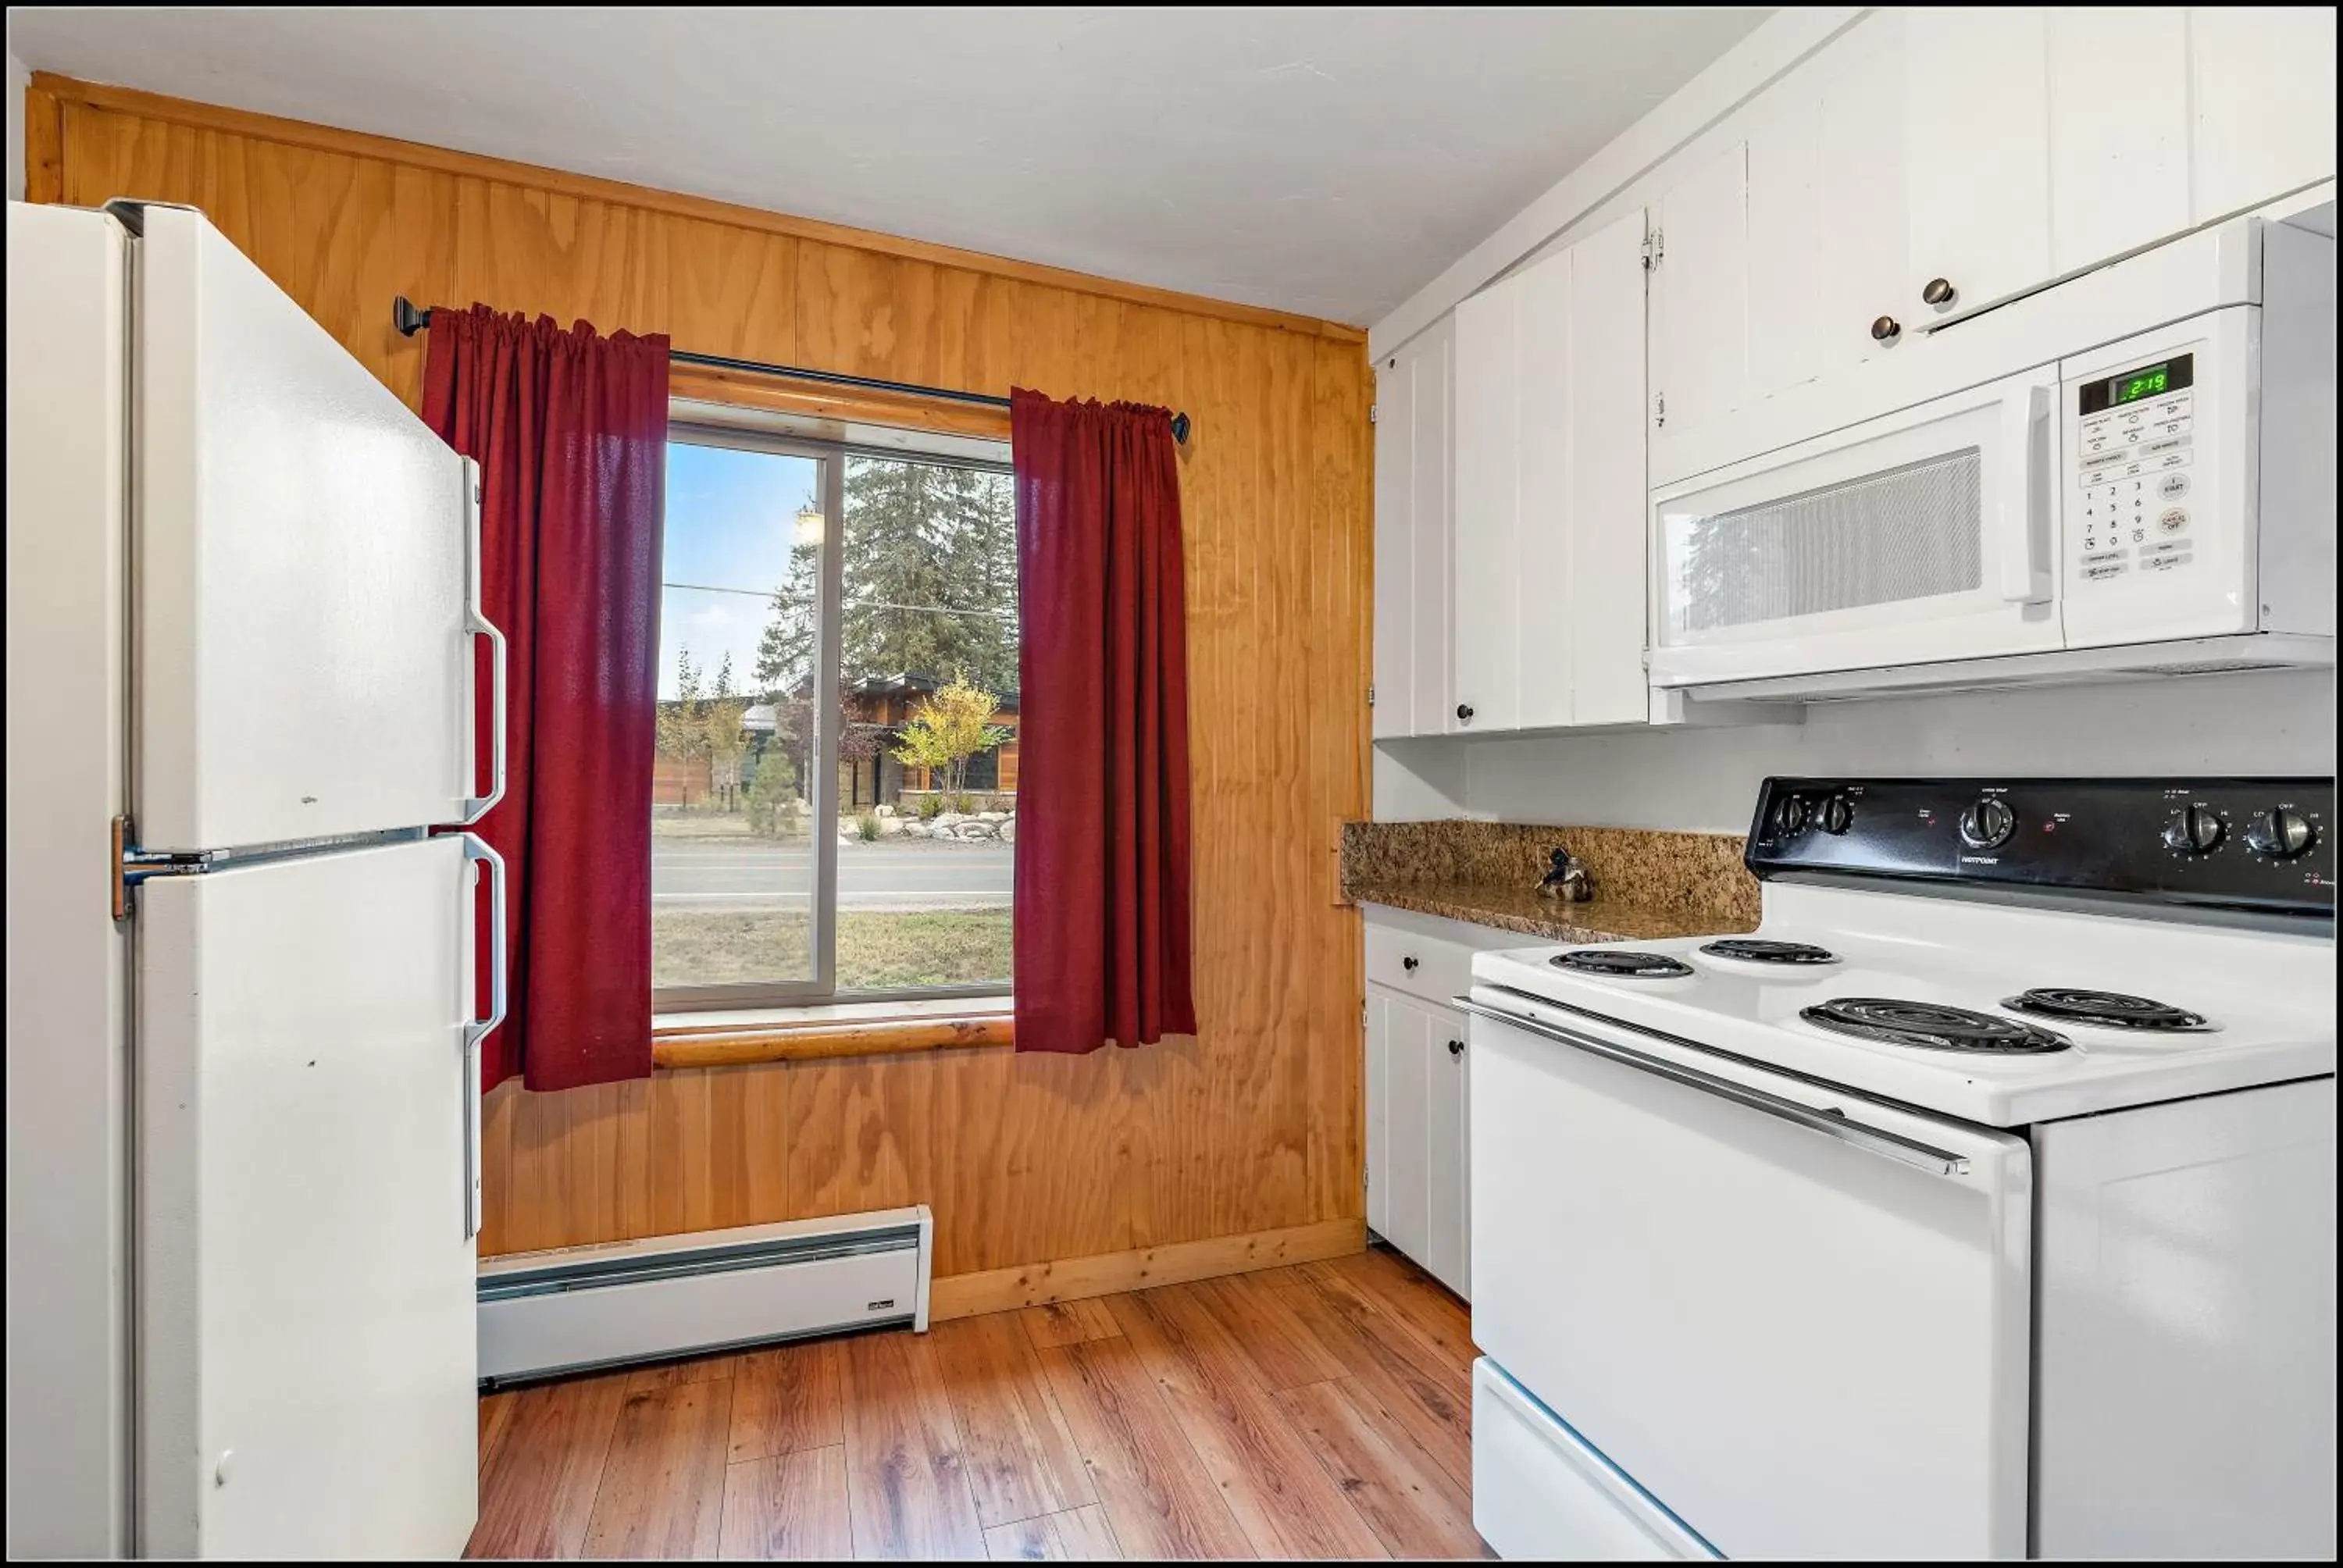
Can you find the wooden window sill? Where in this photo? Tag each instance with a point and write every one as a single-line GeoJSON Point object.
{"type": "Point", "coordinates": [675, 1044]}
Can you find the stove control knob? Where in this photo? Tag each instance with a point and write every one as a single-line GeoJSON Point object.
{"type": "Point", "coordinates": [1837, 814]}
{"type": "Point", "coordinates": [1988, 824]}
{"type": "Point", "coordinates": [2281, 834]}
{"type": "Point", "coordinates": [2193, 831]}
{"type": "Point", "coordinates": [1790, 815]}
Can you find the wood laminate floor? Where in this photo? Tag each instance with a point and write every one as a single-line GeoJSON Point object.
{"type": "Point", "coordinates": [1318, 1411]}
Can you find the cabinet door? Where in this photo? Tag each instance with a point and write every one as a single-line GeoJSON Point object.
{"type": "Point", "coordinates": [1786, 240]}
{"type": "Point", "coordinates": [1700, 302]}
{"type": "Point", "coordinates": [1545, 575]}
{"type": "Point", "coordinates": [1404, 1173]}
{"type": "Point", "coordinates": [2118, 132]}
{"type": "Point", "coordinates": [1436, 435]}
{"type": "Point", "coordinates": [1394, 710]}
{"type": "Point", "coordinates": [1412, 420]}
{"type": "Point", "coordinates": [1378, 1098]}
{"type": "Point", "coordinates": [2264, 93]}
{"type": "Point", "coordinates": [1861, 192]}
{"type": "Point", "coordinates": [1485, 612]}
{"type": "Point", "coordinates": [1977, 146]}
{"type": "Point", "coordinates": [1606, 599]}
{"type": "Point", "coordinates": [1448, 1191]}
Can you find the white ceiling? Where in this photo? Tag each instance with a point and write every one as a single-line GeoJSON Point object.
{"type": "Point", "coordinates": [1323, 161]}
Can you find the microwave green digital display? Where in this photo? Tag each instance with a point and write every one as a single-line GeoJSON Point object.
{"type": "Point", "coordinates": [2138, 384]}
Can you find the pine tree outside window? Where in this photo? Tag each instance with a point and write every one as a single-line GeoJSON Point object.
{"type": "Point", "coordinates": [835, 779]}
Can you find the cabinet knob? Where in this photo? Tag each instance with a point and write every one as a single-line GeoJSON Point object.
{"type": "Point", "coordinates": [1455, 1047]}
{"type": "Point", "coordinates": [1939, 292]}
{"type": "Point", "coordinates": [1887, 329]}
{"type": "Point", "coordinates": [1463, 713]}
{"type": "Point", "coordinates": [1408, 963]}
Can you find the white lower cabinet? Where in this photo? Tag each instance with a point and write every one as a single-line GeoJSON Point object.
{"type": "Point", "coordinates": [1418, 1079]}
{"type": "Point", "coordinates": [1417, 1198]}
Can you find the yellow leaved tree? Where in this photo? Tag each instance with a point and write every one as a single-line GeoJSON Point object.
{"type": "Point", "coordinates": [949, 728]}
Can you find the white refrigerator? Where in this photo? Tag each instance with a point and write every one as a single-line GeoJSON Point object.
{"type": "Point", "coordinates": [243, 1082]}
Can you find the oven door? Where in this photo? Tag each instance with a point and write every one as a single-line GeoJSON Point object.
{"type": "Point", "coordinates": [1796, 1317]}
{"type": "Point", "coordinates": [1924, 536]}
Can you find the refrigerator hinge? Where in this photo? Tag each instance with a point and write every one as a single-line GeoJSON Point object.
{"type": "Point", "coordinates": [133, 865]}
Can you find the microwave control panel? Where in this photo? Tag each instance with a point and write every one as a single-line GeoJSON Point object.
{"type": "Point", "coordinates": [2135, 449]}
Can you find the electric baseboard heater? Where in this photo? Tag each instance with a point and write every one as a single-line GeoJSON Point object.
{"type": "Point", "coordinates": [578, 1308]}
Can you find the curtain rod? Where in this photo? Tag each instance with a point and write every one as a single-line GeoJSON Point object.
{"type": "Point", "coordinates": [409, 321]}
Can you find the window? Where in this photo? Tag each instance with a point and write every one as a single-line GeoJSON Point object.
{"type": "Point", "coordinates": [834, 783]}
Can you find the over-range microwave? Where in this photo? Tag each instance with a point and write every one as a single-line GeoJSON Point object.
{"type": "Point", "coordinates": [2152, 492]}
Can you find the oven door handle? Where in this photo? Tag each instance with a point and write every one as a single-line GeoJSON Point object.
{"type": "Point", "coordinates": [1871, 1140]}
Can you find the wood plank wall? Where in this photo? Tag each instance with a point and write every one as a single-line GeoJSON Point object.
{"type": "Point", "coordinates": [1255, 1124]}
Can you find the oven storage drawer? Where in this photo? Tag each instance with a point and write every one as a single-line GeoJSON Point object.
{"type": "Point", "coordinates": [1539, 1494]}
{"type": "Point", "coordinates": [1797, 1318]}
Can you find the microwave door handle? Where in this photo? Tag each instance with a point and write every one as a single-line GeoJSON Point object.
{"type": "Point", "coordinates": [2024, 574]}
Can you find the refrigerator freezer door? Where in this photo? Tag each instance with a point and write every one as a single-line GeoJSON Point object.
{"type": "Point", "coordinates": [302, 664]}
{"type": "Point", "coordinates": [307, 1339]}
{"type": "Point", "coordinates": [68, 1403]}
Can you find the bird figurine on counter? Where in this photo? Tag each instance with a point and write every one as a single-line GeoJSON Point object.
{"type": "Point", "coordinates": [1566, 879]}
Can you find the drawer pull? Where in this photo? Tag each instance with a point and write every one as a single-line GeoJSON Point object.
{"type": "Point", "coordinates": [1408, 963]}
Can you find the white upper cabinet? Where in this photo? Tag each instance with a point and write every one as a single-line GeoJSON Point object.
{"type": "Point", "coordinates": [1811, 255]}
{"type": "Point", "coordinates": [1548, 618]}
{"type": "Point", "coordinates": [1604, 607]}
{"type": "Point", "coordinates": [1976, 150]}
{"type": "Point", "coordinates": [1486, 614]}
{"type": "Point", "coordinates": [1413, 436]}
{"type": "Point", "coordinates": [1930, 163]}
{"type": "Point", "coordinates": [2118, 132]}
{"type": "Point", "coordinates": [1862, 190]}
{"type": "Point", "coordinates": [1541, 569]}
{"type": "Point", "coordinates": [1700, 295]}
{"type": "Point", "coordinates": [2263, 90]}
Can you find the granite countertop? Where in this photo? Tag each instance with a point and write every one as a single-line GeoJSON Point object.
{"type": "Point", "coordinates": [1648, 885]}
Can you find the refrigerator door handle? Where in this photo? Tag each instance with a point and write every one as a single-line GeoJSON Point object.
{"type": "Point", "coordinates": [476, 623]}
{"type": "Point", "coordinates": [476, 849]}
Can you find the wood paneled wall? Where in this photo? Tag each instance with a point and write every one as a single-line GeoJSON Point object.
{"type": "Point", "coordinates": [1253, 1125]}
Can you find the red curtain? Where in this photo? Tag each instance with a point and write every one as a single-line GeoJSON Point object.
{"type": "Point", "coordinates": [569, 429]}
{"type": "Point", "coordinates": [1102, 922]}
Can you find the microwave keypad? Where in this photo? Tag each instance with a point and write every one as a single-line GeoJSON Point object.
{"type": "Point", "coordinates": [2131, 466]}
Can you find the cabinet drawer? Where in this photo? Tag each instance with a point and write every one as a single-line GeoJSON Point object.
{"type": "Point", "coordinates": [1430, 968]}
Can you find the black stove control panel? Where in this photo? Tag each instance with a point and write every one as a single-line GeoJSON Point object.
{"type": "Point", "coordinates": [2263, 844]}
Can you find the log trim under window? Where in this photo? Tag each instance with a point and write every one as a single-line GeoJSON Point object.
{"type": "Point", "coordinates": [688, 1045]}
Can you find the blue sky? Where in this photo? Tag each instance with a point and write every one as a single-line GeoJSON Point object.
{"type": "Point", "coordinates": [731, 521]}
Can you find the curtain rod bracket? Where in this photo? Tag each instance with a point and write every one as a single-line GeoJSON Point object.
{"type": "Point", "coordinates": [409, 320]}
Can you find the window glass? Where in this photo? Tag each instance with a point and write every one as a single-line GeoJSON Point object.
{"type": "Point", "coordinates": [928, 742]}
{"type": "Point", "coordinates": [777, 878]}
{"type": "Point", "coordinates": [734, 878]}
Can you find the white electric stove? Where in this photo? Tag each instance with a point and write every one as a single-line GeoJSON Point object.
{"type": "Point", "coordinates": [1980, 1204]}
